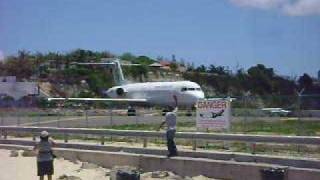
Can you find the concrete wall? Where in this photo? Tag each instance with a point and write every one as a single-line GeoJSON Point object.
{"type": "Point", "coordinates": [180, 165]}
{"type": "Point", "coordinates": [214, 155]}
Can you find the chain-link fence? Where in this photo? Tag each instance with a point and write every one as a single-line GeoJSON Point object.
{"type": "Point", "coordinates": [287, 115]}
{"type": "Point", "coordinates": [267, 115]}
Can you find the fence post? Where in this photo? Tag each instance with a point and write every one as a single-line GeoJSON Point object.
{"type": "Point", "coordinates": [111, 119]}
{"type": "Point", "coordinates": [65, 137]}
{"type": "Point", "coordinates": [137, 118]}
{"type": "Point", "coordinates": [58, 121]}
{"type": "Point", "coordinates": [87, 120]}
{"type": "Point", "coordinates": [38, 119]}
{"type": "Point", "coordinates": [246, 97]}
{"type": "Point", "coordinates": [194, 144]}
{"type": "Point", "coordinates": [18, 119]}
{"type": "Point", "coordinates": [145, 142]}
{"type": "Point", "coordinates": [5, 134]}
{"type": "Point", "coordinates": [253, 148]}
{"type": "Point", "coordinates": [299, 115]}
{"type": "Point", "coordinates": [33, 136]}
{"type": "Point", "coordinates": [102, 140]}
{"type": "Point", "coordinates": [2, 120]}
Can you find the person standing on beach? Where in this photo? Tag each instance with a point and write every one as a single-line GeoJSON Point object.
{"type": "Point", "coordinates": [45, 156]}
{"type": "Point", "coordinates": [170, 121]}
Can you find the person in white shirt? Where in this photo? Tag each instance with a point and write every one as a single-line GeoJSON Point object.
{"type": "Point", "coordinates": [171, 122]}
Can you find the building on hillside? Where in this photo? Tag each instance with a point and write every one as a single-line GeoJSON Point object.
{"type": "Point", "coordinates": [319, 75]}
{"type": "Point", "coordinates": [17, 90]}
{"type": "Point", "coordinates": [181, 68]}
{"type": "Point", "coordinates": [8, 79]}
{"type": "Point", "coordinates": [165, 65]}
{"type": "Point", "coordinates": [155, 70]}
{"type": "Point", "coordinates": [52, 65]}
{"type": "Point", "coordinates": [155, 65]}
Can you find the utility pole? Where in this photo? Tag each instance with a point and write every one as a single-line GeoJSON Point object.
{"type": "Point", "coordinates": [299, 112]}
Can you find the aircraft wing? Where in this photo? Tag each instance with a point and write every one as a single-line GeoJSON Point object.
{"type": "Point", "coordinates": [98, 99]}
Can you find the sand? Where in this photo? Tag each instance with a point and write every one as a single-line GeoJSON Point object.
{"type": "Point", "coordinates": [24, 168]}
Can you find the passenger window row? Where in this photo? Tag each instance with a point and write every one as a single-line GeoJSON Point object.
{"type": "Point", "coordinates": [190, 89]}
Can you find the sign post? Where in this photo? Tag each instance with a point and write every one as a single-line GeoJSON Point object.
{"type": "Point", "coordinates": [214, 114]}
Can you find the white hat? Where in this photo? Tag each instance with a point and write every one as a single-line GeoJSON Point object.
{"type": "Point", "coordinates": [44, 134]}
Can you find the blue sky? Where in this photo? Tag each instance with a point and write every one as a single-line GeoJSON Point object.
{"type": "Point", "coordinates": [282, 34]}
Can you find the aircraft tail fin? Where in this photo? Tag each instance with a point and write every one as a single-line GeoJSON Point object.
{"type": "Point", "coordinates": [118, 73]}
{"type": "Point", "coordinates": [115, 67]}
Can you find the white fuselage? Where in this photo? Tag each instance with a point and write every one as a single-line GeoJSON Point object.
{"type": "Point", "coordinates": [185, 93]}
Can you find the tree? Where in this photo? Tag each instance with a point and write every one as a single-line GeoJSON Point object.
{"type": "Point", "coordinates": [128, 57]}
{"type": "Point", "coordinates": [138, 72]}
{"type": "Point", "coordinates": [144, 60]}
{"type": "Point", "coordinates": [305, 81]}
{"type": "Point", "coordinates": [201, 68]}
{"type": "Point", "coordinates": [217, 70]}
{"type": "Point", "coordinates": [106, 54]}
{"type": "Point", "coordinates": [174, 66]}
{"type": "Point", "coordinates": [261, 78]}
{"type": "Point", "coordinates": [98, 81]}
{"type": "Point", "coordinates": [23, 55]}
{"type": "Point", "coordinates": [20, 67]}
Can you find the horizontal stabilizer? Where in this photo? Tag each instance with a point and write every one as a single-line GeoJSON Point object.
{"type": "Point", "coordinates": [104, 63]}
{"type": "Point", "coordinates": [89, 63]}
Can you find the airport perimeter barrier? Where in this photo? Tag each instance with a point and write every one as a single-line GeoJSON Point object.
{"type": "Point", "coordinates": [278, 114]}
{"type": "Point", "coordinates": [241, 122]}
{"type": "Point", "coordinates": [145, 135]}
{"type": "Point", "coordinates": [78, 118]}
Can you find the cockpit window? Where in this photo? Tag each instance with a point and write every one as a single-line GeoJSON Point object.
{"type": "Point", "coordinates": [198, 89]}
{"type": "Point", "coordinates": [183, 89]}
{"type": "Point", "coordinates": [191, 89]}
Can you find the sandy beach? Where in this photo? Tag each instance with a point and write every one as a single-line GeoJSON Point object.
{"type": "Point", "coordinates": [24, 168]}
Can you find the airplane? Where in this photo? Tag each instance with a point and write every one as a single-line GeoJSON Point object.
{"type": "Point", "coordinates": [212, 114]}
{"type": "Point", "coordinates": [177, 94]}
{"type": "Point", "coordinates": [276, 111]}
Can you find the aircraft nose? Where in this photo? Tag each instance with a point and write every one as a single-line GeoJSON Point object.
{"type": "Point", "coordinates": [200, 95]}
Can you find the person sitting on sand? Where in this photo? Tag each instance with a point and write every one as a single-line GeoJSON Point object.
{"type": "Point", "coordinates": [45, 156]}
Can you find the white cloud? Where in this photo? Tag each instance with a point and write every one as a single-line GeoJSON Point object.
{"type": "Point", "coordinates": [303, 8]}
{"type": "Point", "coordinates": [288, 7]}
{"type": "Point", "coordinates": [261, 4]}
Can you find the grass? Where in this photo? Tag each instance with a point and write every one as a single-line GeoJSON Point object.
{"type": "Point", "coordinates": [181, 126]}
{"type": "Point", "coordinates": [281, 127]}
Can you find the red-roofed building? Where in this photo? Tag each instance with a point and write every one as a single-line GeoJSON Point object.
{"type": "Point", "coordinates": [165, 65]}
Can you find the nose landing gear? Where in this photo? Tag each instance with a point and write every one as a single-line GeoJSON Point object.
{"type": "Point", "coordinates": [131, 111]}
